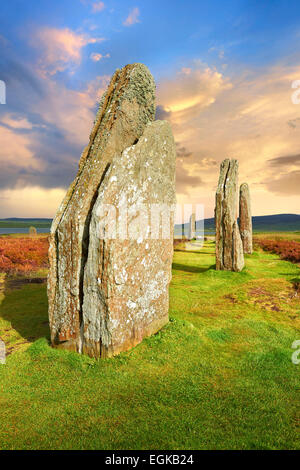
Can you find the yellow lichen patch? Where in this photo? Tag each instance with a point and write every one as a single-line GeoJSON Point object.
{"type": "Point", "coordinates": [277, 297]}
{"type": "Point", "coordinates": [273, 294]}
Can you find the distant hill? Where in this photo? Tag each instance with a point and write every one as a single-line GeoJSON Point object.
{"type": "Point", "coordinates": [28, 219]}
{"type": "Point", "coordinates": [264, 223]}
{"type": "Point", "coordinates": [15, 222]}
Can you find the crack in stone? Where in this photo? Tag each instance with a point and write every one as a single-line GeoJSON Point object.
{"type": "Point", "coordinates": [84, 256]}
{"type": "Point", "coordinates": [125, 111]}
{"type": "Point", "coordinates": [229, 252]}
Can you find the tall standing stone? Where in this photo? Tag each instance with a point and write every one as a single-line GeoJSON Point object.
{"type": "Point", "coordinates": [229, 248]}
{"type": "Point", "coordinates": [124, 112]}
{"type": "Point", "coordinates": [126, 281]}
{"type": "Point", "coordinates": [245, 218]}
{"type": "Point", "coordinates": [192, 226]}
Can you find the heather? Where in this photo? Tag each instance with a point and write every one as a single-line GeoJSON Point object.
{"type": "Point", "coordinates": [288, 250]}
{"type": "Point", "coordinates": [23, 255]}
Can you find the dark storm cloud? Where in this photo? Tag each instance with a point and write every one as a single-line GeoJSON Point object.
{"type": "Point", "coordinates": [52, 176]}
{"type": "Point", "coordinates": [184, 181]}
{"type": "Point", "coordinates": [162, 113]}
{"type": "Point", "coordinates": [287, 160]}
{"type": "Point", "coordinates": [287, 184]}
{"type": "Point", "coordinates": [14, 74]}
{"type": "Point", "coordinates": [22, 84]}
{"type": "Point", "coordinates": [182, 151]}
{"type": "Point", "coordinates": [27, 92]}
{"type": "Point", "coordinates": [293, 123]}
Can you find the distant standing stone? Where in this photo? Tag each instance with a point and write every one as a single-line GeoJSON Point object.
{"type": "Point", "coordinates": [229, 248]}
{"type": "Point", "coordinates": [32, 231]}
{"type": "Point", "coordinates": [192, 227]}
{"type": "Point", "coordinates": [245, 218]}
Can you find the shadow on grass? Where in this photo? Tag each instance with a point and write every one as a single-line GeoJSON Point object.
{"type": "Point", "coordinates": [196, 252]}
{"type": "Point", "coordinates": [296, 283]}
{"type": "Point", "coordinates": [191, 269]}
{"type": "Point", "coordinates": [24, 307]}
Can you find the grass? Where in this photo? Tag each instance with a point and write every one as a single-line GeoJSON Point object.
{"type": "Point", "coordinates": [218, 376]}
{"type": "Point", "coordinates": [291, 236]}
{"type": "Point", "coordinates": [23, 223]}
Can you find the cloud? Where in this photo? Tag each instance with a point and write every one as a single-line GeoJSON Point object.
{"type": "Point", "coordinates": [293, 123]}
{"type": "Point", "coordinates": [184, 179]}
{"type": "Point", "coordinates": [182, 152]}
{"type": "Point", "coordinates": [182, 100]}
{"type": "Point", "coordinates": [15, 149]}
{"type": "Point", "coordinates": [133, 17]}
{"type": "Point", "coordinates": [248, 116]}
{"type": "Point", "coordinates": [187, 94]}
{"type": "Point", "coordinates": [61, 48]}
{"type": "Point", "coordinates": [72, 111]}
{"type": "Point", "coordinates": [214, 117]}
{"type": "Point", "coordinates": [286, 184]}
{"type": "Point", "coordinates": [18, 76]}
{"type": "Point", "coordinates": [161, 113]}
{"type": "Point", "coordinates": [43, 129]}
{"type": "Point", "coordinates": [286, 161]}
{"type": "Point", "coordinates": [97, 7]}
{"type": "Point", "coordinates": [96, 56]}
{"type": "Point", "coordinates": [30, 202]}
{"type": "Point", "coordinates": [16, 122]}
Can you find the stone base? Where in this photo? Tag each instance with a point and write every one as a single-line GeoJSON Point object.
{"type": "Point", "coordinates": [97, 350]}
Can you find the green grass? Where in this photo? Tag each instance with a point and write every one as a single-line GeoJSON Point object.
{"type": "Point", "coordinates": [218, 376]}
{"type": "Point", "coordinates": [12, 224]}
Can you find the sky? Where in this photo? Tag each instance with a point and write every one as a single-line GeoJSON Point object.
{"type": "Point", "coordinates": [224, 72]}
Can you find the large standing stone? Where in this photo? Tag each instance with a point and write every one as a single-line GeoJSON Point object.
{"type": "Point", "coordinates": [125, 110]}
{"type": "Point", "coordinates": [126, 281]}
{"type": "Point", "coordinates": [245, 218]}
{"type": "Point", "coordinates": [192, 226]}
{"type": "Point", "coordinates": [229, 248]}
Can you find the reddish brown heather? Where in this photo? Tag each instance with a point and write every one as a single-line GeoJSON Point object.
{"type": "Point", "coordinates": [23, 255]}
{"type": "Point", "coordinates": [287, 250]}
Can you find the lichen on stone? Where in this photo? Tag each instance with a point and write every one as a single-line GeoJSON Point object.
{"type": "Point", "coordinates": [84, 314]}
{"type": "Point", "coordinates": [229, 248]}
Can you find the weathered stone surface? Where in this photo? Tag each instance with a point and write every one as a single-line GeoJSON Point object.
{"type": "Point", "coordinates": [192, 227]}
{"type": "Point", "coordinates": [125, 109]}
{"type": "Point", "coordinates": [126, 281]}
{"type": "Point", "coordinates": [229, 249]}
{"type": "Point", "coordinates": [237, 249]}
{"type": "Point", "coordinates": [245, 218]}
{"type": "Point", "coordinates": [108, 289]}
